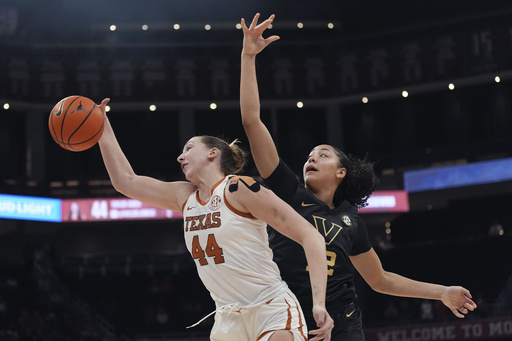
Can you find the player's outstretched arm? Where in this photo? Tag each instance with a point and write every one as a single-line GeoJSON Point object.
{"type": "Point", "coordinates": [368, 264]}
{"type": "Point", "coordinates": [263, 150]}
{"type": "Point", "coordinates": [154, 192]}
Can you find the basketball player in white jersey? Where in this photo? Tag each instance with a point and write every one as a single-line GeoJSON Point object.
{"type": "Point", "coordinates": [225, 218]}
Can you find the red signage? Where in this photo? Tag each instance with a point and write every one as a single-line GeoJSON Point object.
{"type": "Point", "coordinates": [387, 201]}
{"type": "Point", "coordinates": [111, 209]}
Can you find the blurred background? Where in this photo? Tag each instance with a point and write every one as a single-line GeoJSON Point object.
{"type": "Point", "coordinates": [421, 88]}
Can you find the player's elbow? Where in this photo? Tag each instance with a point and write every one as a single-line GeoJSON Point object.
{"type": "Point", "coordinates": [123, 183]}
{"type": "Point", "coordinates": [250, 118]}
{"type": "Point", "coordinates": [120, 188]}
{"type": "Point", "coordinates": [378, 282]}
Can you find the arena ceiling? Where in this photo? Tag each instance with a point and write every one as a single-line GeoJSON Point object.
{"type": "Point", "coordinates": [362, 16]}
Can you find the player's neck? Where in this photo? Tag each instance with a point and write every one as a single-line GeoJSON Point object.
{"type": "Point", "coordinates": [325, 195]}
{"type": "Point", "coordinates": [207, 184]}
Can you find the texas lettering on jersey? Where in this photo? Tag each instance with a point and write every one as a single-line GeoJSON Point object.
{"type": "Point", "coordinates": [202, 221]}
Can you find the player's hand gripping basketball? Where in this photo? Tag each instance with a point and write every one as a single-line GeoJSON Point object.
{"type": "Point", "coordinates": [254, 42]}
{"type": "Point", "coordinates": [324, 323]}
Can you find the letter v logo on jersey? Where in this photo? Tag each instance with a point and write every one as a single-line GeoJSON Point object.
{"type": "Point", "coordinates": [329, 234]}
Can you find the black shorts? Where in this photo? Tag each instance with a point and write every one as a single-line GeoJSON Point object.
{"type": "Point", "coordinates": [348, 325]}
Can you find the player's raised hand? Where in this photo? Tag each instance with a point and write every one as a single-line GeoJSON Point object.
{"type": "Point", "coordinates": [254, 42]}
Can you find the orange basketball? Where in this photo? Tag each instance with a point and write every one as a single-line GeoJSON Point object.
{"type": "Point", "coordinates": [76, 123]}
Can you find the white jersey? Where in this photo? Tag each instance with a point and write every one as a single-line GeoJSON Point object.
{"type": "Point", "coordinates": [231, 251]}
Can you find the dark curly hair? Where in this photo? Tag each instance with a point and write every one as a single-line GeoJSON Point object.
{"type": "Point", "coordinates": [359, 182]}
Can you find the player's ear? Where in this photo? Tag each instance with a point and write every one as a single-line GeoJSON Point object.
{"type": "Point", "coordinates": [213, 153]}
{"type": "Point", "coordinates": [341, 173]}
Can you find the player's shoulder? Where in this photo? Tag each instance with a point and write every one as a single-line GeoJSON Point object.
{"type": "Point", "coordinates": [181, 188]}
{"type": "Point", "coordinates": [236, 181]}
{"type": "Point", "coordinates": [243, 194]}
{"type": "Point", "coordinates": [246, 178]}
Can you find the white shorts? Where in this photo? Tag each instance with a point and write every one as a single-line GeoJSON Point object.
{"type": "Point", "coordinates": [259, 322]}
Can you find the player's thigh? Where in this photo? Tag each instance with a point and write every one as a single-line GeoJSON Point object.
{"type": "Point", "coordinates": [281, 335]}
{"type": "Point", "coordinates": [282, 314]}
{"type": "Point", "coordinates": [229, 327]}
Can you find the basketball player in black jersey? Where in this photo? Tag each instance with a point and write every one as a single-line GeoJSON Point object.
{"type": "Point", "coordinates": [335, 186]}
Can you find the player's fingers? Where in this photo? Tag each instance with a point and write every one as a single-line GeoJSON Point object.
{"type": "Point", "coordinates": [103, 105]}
{"type": "Point", "coordinates": [325, 324]}
{"type": "Point", "coordinates": [320, 334]}
{"type": "Point", "coordinates": [104, 102]}
{"type": "Point", "coordinates": [254, 21]}
{"type": "Point", "coordinates": [469, 306]}
{"type": "Point", "coordinates": [469, 301]}
{"type": "Point", "coordinates": [272, 39]}
{"type": "Point", "coordinates": [457, 313]}
{"type": "Point", "coordinates": [467, 293]}
{"type": "Point", "coordinates": [265, 24]}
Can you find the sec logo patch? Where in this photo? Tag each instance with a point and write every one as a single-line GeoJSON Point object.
{"type": "Point", "coordinates": [346, 219]}
{"type": "Point", "coordinates": [215, 203]}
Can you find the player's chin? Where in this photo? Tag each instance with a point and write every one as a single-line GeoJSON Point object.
{"type": "Point", "coordinates": [310, 178]}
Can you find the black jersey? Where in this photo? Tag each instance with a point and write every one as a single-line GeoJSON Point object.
{"type": "Point", "coordinates": [344, 232]}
